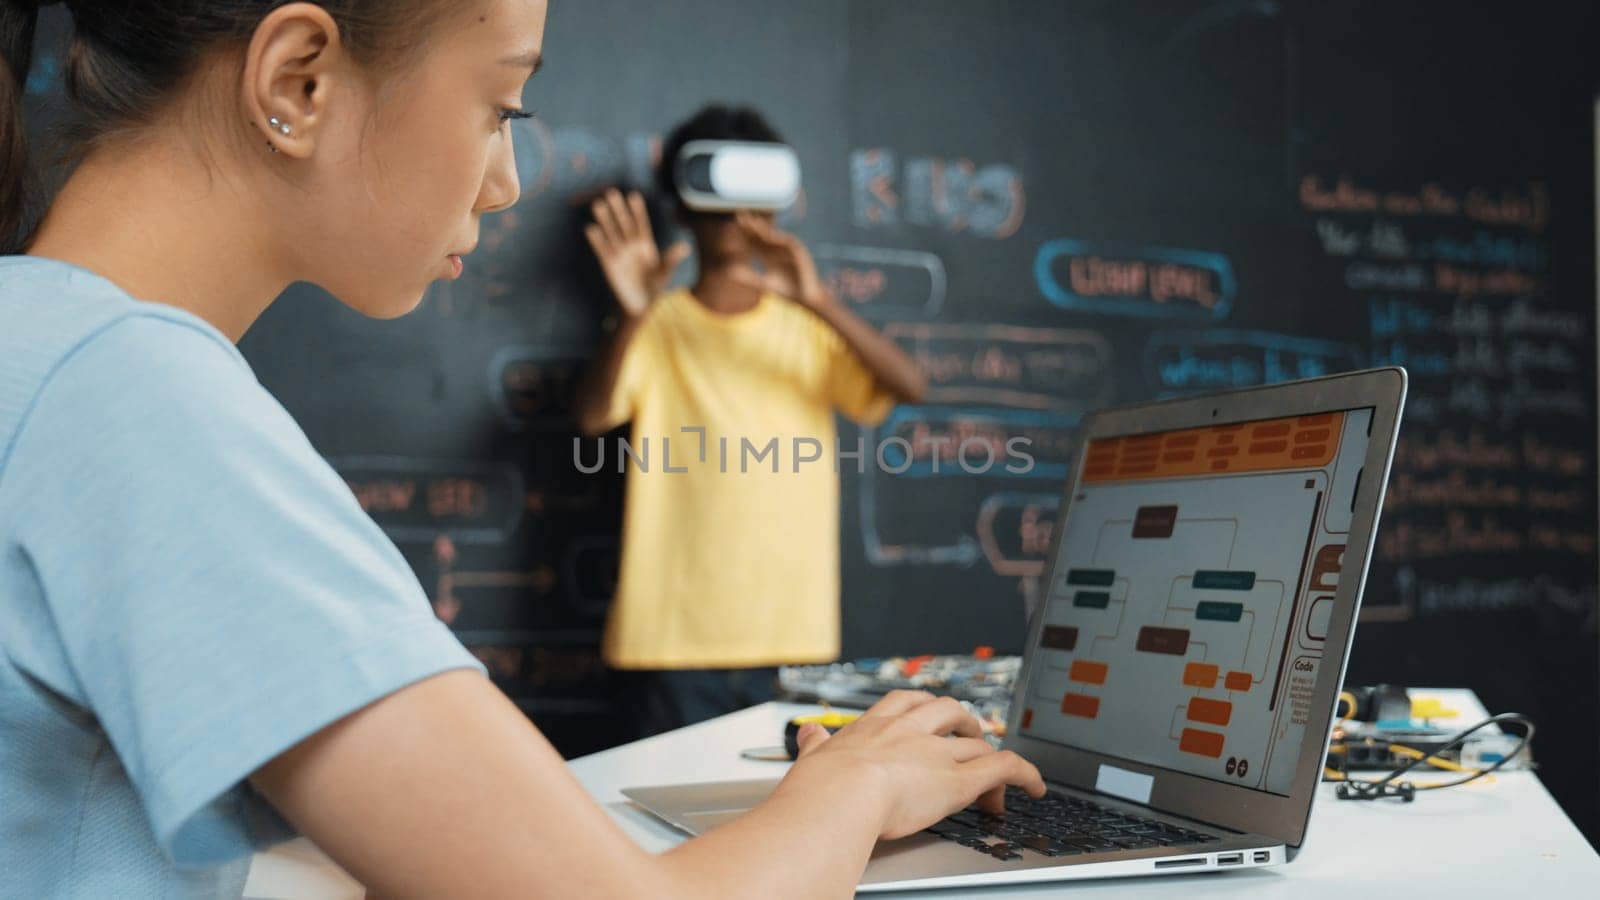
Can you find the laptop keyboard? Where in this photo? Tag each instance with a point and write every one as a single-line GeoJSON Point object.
{"type": "Point", "coordinates": [1059, 825]}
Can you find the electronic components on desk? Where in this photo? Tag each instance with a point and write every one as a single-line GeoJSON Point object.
{"type": "Point", "coordinates": [982, 680]}
{"type": "Point", "coordinates": [1379, 703]}
{"type": "Point", "coordinates": [981, 675]}
{"type": "Point", "coordinates": [1373, 748]}
{"type": "Point", "coordinates": [1402, 746]}
{"type": "Point", "coordinates": [1382, 727]}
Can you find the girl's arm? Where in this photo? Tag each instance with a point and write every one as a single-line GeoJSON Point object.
{"type": "Point", "coordinates": [444, 789]}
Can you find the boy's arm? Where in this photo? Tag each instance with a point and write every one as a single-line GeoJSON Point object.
{"type": "Point", "coordinates": [890, 365]}
{"type": "Point", "coordinates": [791, 264]}
{"type": "Point", "coordinates": [591, 405]}
{"type": "Point", "coordinates": [636, 271]}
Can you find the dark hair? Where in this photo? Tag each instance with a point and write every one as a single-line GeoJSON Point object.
{"type": "Point", "coordinates": [715, 122]}
{"type": "Point", "coordinates": [128, 56]}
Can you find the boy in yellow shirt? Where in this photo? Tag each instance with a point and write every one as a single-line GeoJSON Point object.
{"type": "Point", "coordinates": [730, 550]}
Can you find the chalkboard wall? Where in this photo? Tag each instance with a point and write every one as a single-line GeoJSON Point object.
{"type": "Point", "coordinates": [1056, 206]}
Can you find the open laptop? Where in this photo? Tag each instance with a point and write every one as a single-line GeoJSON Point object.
{"type": "Point", "coordinates": [1181, 671]}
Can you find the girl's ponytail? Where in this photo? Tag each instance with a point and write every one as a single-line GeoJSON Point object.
{"type": "Point", "coordinates": [18, 19]}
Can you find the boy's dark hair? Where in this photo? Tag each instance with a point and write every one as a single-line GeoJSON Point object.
{"type": "Point", "coordinates": [716, 122]}
{"type": "Point", "coordinates": [128, 57]}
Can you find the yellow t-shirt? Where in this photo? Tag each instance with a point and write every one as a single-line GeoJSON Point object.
{"type": "Point", "coordinates": [729, 563]}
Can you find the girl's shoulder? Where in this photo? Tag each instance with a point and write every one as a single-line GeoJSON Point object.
{"type": "Point", "coordinates": [59, 317]}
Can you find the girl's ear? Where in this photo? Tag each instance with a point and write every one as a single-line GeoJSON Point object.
{"type": "Point", "coordinates": [293, 72]}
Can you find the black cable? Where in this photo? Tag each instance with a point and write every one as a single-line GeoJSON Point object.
{"type": "Point", "coordinates": [1361, 789]}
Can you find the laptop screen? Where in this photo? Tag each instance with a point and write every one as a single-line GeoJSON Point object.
{"type": "Point", "coordinates": [1189, 603]}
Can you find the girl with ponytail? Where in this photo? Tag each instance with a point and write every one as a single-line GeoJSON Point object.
{"type": "Point", "coordinates": [206, 645]}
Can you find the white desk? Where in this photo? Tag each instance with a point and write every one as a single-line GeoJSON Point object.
{"type": "Point", "coordinates": [1502, 835]}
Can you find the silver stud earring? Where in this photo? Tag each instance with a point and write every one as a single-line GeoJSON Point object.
{"type": "Point", "coordinates": [277, 123]}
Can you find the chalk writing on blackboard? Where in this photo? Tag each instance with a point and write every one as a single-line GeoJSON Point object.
{"type": "Point", "coordinates": [418, 499]}
{"type": "Point", "coordinates": [496, 590]}
{"type": "Point", "coordinates": [883, 282]}
{"type": "Point", "coordinates": [1525, 206]}
{"type": "Point", "coordinates": [904, 523]}
{"type": "Point", "coordinates": [1135, 281]}
{"type": "Point", "coordinates": [1488, 492]}
{"type": "Point", "coordinates": [1015, 530]}
{"type": "Point", "coordinates": [955, 195]}
{"type": "Point", "coordinates": [1504, 360]}
{"type": "Point", "coordinates": [951, 442]}
{"type": "Point", "coordinates": [994, 390]}
{"type": "Point", "coordinates": [531, 384]}
{"type": "Point", "coordinates": [1428, 596]}
{"type": "Point", "coordinates": [1176, 362]}
{"type": "Point", "coordinates": [1454, 283]}
{"type": "Point", "coordinates": [1008, 365]}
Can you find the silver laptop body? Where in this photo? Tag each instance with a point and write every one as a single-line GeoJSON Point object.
{"type": "Point", "coordinates": [1196, 614]}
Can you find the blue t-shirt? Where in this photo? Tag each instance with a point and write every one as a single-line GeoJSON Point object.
{"type": "Point", "coordinates": [187, 589]}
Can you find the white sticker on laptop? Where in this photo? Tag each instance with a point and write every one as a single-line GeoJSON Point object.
{"type": "Point", "coordinates": [1122, 783]}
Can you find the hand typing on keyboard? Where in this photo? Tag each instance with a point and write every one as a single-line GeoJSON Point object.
{"type": "Point", "coordinates": [920, 757]}
{"type": "Point", "coordinates": [1059, 825]}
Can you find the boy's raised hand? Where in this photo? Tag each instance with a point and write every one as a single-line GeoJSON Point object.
{"type": "Point", "coordinates": [620, 236]}
{"type": "Point", "coordinates": [790, 269]}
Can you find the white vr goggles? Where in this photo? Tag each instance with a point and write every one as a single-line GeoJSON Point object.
{"type": "Point", "coordinates": [723, 176]}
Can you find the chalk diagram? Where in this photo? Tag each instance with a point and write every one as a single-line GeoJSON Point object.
{"type": "Point", "coordinates": [990, 384]}
{"type": "Point", "coordinates": [467, 514]}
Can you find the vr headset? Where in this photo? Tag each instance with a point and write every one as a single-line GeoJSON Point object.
{"type": "Point", "coordinates": [724, 176]}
